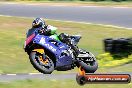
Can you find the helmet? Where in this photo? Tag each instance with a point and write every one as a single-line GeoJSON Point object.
{"type": "Point", "coordinates": [38, 22]}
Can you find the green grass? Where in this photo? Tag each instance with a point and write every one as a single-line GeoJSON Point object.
{"type": "Point", "coordinates": [107, 60]}
{"type": "Point", "coordinates": [13, 59]}
{"type": "Point", "coordinates": [123, 68]}
{"type": "Point", "coordinates": [57, 84]}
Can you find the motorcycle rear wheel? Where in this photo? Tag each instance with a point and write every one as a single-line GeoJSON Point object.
{"type": "Point", "coordinates": [89, 67]}
{"type": "Point", "coordinates": [46, 67]}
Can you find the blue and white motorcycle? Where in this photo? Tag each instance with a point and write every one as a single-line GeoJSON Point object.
{"type": "Point", "coordinates": [48, 53]}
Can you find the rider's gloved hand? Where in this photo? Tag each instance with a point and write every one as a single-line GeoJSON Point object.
{"type": "Point", "coordinates": [40, 31]}
{"type": "Point", "coordinates": [47, 31]}
{"type": "Point", "coordinates": [44, 31]}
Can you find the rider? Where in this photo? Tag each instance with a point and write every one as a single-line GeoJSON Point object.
{"type": "Point", "coordinates": [39, 24]}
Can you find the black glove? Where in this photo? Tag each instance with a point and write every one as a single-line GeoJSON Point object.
{"type": "Point", "coordinates": [44, 31]}
{"type": "Point", "coordinates": [47, 31]}
{"type": "Point", "coordinates": [41, 31]}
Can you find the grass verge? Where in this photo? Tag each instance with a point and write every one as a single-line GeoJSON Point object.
{"type": "Point", "coordinates": [13, 59]}
{"type": "Point", "coordinates": [106, 60]}
{"type": "Point", "coordinates": [76, 3]}
{"type": "Point", "coordinates": [53, 83]}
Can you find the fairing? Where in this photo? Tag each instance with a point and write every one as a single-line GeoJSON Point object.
{"type": "Point", "coordinates": [59, 49]}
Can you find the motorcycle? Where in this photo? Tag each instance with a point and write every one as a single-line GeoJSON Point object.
{"type": "Point", "coordinates": [48, 53]}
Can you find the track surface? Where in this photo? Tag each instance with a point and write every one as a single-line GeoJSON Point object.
{"type": "Point", "coordinates": [12, 77]}
{"type": "Point", "coordinates": [100, 15]}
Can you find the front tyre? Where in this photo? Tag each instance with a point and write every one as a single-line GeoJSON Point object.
{"type": "Point", "coordinates": [45, 65]}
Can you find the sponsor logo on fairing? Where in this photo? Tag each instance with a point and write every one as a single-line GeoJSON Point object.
{"type": "Point", "coordinates": [42, 41]}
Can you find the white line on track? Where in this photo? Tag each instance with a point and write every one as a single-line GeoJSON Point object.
{"type": "Point", "coordinates": [95, 24]}
{"type": "Point", "coordinates": [11, 74]}
{"type": "Point", "coordinates": [35, 73]}
{"type": "Point", "coordinates": [92, 6]}
{"type": "Point", "coordinates": [22, 74]}
{"type": "Point", "coordinates": [121, 7]}
{"type": "Point", "coordinates": [75, 22]}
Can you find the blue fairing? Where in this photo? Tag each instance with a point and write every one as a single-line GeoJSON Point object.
{"type": "Point", "coordinates": [56, 47]}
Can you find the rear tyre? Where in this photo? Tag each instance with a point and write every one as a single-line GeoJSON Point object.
{"type": "Point", "coordinates": [89, 66]}
{"type": "Point", "coordinates": [38, 63]}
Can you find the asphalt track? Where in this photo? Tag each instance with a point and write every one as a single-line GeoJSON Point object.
{"type": "Point", "coordinates": [118, 16]}
{"type": "Point", "coordinates": [99, 15]}
{"type": "Point", "coordinates": [13, 77]}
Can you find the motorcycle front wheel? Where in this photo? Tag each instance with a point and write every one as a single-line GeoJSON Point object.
{"type": "Point", "coordinates": [45, 65]}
